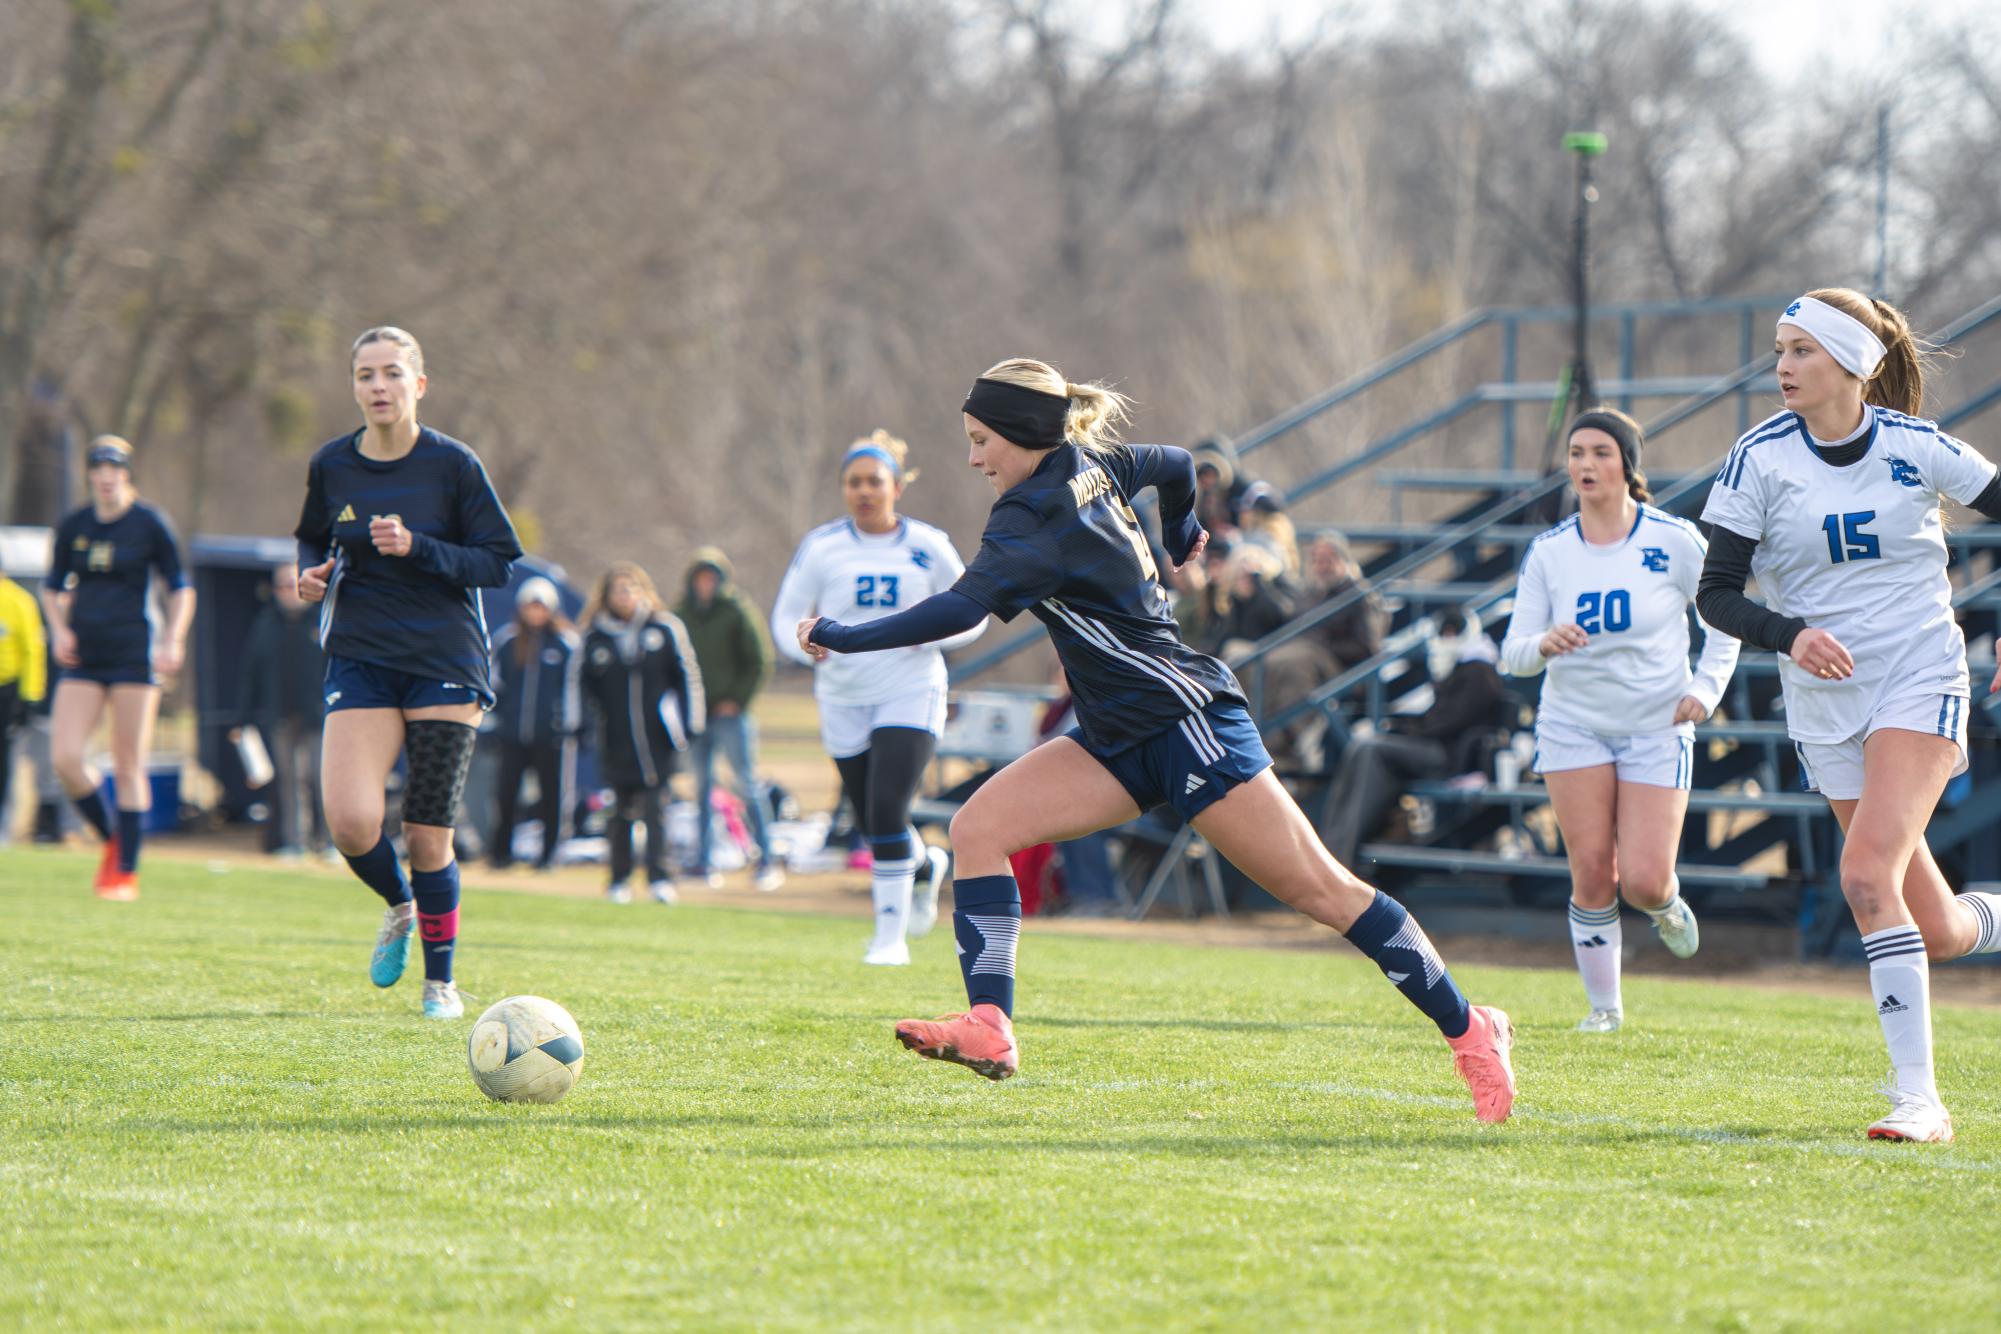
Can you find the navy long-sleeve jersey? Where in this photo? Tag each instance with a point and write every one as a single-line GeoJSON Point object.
{"type": "Point", "coordinates": [418, 613]}
{"type": "Point", "coordinates": [1066, 545]}
{"type": "Point", "coordinates": [107, 567]}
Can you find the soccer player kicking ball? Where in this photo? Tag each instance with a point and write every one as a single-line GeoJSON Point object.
{"type": "Point", "coordinates": [1158, 721]}
{"type": "Point", "coordinates": [1834, 503]}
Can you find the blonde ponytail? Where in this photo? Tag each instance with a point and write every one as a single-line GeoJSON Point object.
{"type": "Point", "coordinates": [1096, 411]}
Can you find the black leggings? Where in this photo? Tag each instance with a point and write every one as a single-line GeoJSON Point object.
{"type": "Point", "coordinates": [551, 763]}
{"type": "Point", "coordinates": [643, 804]}
{"type": "Point", "coordinates": [882, 780]}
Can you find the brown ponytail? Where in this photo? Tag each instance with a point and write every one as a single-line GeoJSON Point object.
{"type": "Point", "coordinates": [1899, 382]}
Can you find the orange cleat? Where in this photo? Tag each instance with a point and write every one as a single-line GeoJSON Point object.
{"type": "Point", "coordinates": [122, 887]}
{"type": "Point", "coordinates": [107, 867]}
{"type": "Point", "coordinates": [1481, 1056]}
{"type": "Point", "coordinates": [981, 1040]}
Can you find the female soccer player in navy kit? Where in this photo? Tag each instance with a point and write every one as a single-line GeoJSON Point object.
{"type": "Point", "coordinates": [95, 597]}
{"type": "Point", "coordinates": [400, 531]}
{"type": "Point", "coordinates": [880, 713]}
{"type": "Point", "coordinates": [1603, 601]}
{"type": "Point", "coordinates": [1834, 504]}
{"type": "Point", "coordinates": [1159, 723]}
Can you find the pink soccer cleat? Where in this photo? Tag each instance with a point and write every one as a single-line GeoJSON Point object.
{"type": "Point", "coordinates": [981, 1040]}
{"type": "Point", "coordinates": [1481, 1056]}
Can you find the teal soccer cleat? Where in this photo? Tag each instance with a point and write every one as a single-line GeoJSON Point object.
{"type": "Point", "coordinates": [392, 945]}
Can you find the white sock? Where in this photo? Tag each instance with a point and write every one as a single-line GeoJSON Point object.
{"type": "Point", "coordinates": [1900, 978]}
{"type": "Point", "coordinates": [889, 885]}
{"type": "Point", "coordinates": [1674, 897]}
{"type": "Point", "coordinates": [1987, 912]}
{"type": "Point", "coordinates": [1594, 939]}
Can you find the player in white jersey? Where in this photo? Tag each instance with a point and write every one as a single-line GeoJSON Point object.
{"type": "Point", "coordinates": [880, 713]}
{"type": "Point", "coordinates": [1834, 505]}
{"type": "Point", "coordinates": [1603, 602]}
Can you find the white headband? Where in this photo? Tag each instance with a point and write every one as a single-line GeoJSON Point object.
{"type": "Point", "coordinates": [1847, 339]}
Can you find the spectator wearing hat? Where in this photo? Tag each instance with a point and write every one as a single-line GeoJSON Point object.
{"type": "Point", "coordinates": [1263, 519]}
{"type": "Point", "coordinates": [1218, 488]}
{"type": "Point", "coordinates": [283, 671]}
{"type": "Point", "coordinates": [734, 654]}
{"type": "Point", "coordinates": [537, 659]}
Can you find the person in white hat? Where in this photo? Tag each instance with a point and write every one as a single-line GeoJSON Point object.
{"type": "Point", "coordinates": [538, 711]}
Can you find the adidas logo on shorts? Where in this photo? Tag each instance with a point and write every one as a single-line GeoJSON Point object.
{"type": "Point", "coordinates": [1194, 781]}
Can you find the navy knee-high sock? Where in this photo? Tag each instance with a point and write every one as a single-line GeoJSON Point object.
{"type": "Point", "coordinates": [1392, 937]}
{"type": "Point", "coordinates": [95, 813]}
{"type": "Point", "coordinates": [380, 871]}
{"type": "Point", "coordinates": [987, 919]}
{"type": "Point", "coordinates": [437, 918]}
{"type": "Point", "coordinates": [131, 828]}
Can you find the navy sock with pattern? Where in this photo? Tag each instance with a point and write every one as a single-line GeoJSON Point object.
{"type": "Point", "coordinates": [380, 871]}
{"type": "Point", "coordinates": [987, 919]}
{"type": "Point", "coordinates": [437, 918]}
{"type": "Point", "coordinates": [1392, 937]}
{"type": "Point", "coordinates": [131, 829]}
{"type": "Point", "coordinates": [95, 813]}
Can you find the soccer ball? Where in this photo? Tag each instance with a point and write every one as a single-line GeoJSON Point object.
{"type": "Point", "coordinates": [525, 1049]}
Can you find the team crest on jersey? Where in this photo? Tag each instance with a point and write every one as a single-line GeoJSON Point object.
{"type": "Point", "coordinates": [102, 556]}
{"type": "Point", "coordinates": [1654, 559]}
{"type": "Point", "coordinates": [921, 559]}
{"type": "Point", "coordinates": [1904, 473]}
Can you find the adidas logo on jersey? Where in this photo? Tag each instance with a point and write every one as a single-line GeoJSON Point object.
{"type": "Point", "coordinates": [346, 514]}
{"type": "Point", "coordinates": [1194, 781]}
{"type": "Point", "coordinates": [1891, 1005]}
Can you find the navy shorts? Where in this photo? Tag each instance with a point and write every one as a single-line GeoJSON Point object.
{"type": "Point", "coordinates": [363, 685]}
{"type": "Point", "coordinates": [112, 673]}
{"type": "Point", "coordinates": [1191, 765]}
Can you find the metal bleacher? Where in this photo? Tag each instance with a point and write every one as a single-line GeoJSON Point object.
{"type": "Point", "coordinates": [1751, 835]}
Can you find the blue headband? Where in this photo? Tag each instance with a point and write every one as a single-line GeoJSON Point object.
{"type": "Point", "coordinates": [872, 452]}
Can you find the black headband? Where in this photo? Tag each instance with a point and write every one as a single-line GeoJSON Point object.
{"type": "Point", "coordinates": [108, 454]}
{"type": "Point", "coordinates": [1619, 429]}
{"type": "Point", "coordinates": [1025, 417]}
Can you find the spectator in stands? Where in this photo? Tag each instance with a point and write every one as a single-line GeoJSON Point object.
{"type": "Point", "coordinates": [1261, 599]}
{"type": "Point", "coordinates": [1217, 487]}
{"type": "Point", "coordinates": [1264, 522]}
{"type": "Point", "coordinates": [1469, 701]}
{"type": "Point", "coordinates": [735, 657]}
{"type": "Point", "coordinates": [283, 671]}
{"type": "Point", "coordinates": [537, 683]}
{"type": "Point", "coordinates": [1355, 633]}
{"type": "Point", "coordinates": [23, 678]}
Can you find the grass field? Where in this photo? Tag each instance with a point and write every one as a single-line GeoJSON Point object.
{"type": "Point", "coordinates": [211, 1119]}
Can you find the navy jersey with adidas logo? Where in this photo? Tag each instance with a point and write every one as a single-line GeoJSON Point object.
{"type": "Point", "coordinates": [418, 613]}
{"type": "Point", "coordinates": [1066, 545]}
{"type": "Point", "coordinates": [107, 568]}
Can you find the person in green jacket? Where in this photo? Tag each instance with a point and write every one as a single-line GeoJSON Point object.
{"type": "Point", "coordinates": [735, 658]}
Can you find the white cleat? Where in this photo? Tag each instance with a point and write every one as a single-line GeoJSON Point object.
{"type": "Point", "coordinates": [715, 880]}
{"type": "Point", "coordinates": [441, 1000]}
{"type": "Point", "coordinates": [769, 878]}
{"type": "Point", "coordinates": [896, 954]}
{"type": "Point", "coordinates": [663, 892]}
{"type": "Point", "coordinates": [1601, 1021]}
{"type": "Point", "coordinates": [924, 898]}
{"type": "Point", "coordinates": [1913, 1117]}
{"type": "Point", "coordinates": [618, 894]}
{"type": "Point", "coordinates": [1678, 930]}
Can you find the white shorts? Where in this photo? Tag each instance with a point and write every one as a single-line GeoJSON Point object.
{"type": "Point", "coordinates": [1658, 759]}
{"type": "Point", "coordinates": [845, 728]}
{"type": "Point", "coordinates": [1835, 769]}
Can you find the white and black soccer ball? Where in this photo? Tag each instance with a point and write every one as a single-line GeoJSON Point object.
{"type": "Point", "coordinates": [525, 1049]}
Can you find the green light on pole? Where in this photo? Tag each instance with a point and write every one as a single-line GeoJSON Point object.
{"type": "Point", "coordinates": [1584, 143]}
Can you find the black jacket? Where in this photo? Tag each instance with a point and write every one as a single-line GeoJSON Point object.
{"type": "Point", "coordinates": [643, 685]}
{"type": "Point", "coordinates": [540, 700]}
{"type": "Point", "coordinates": [284, 671]}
